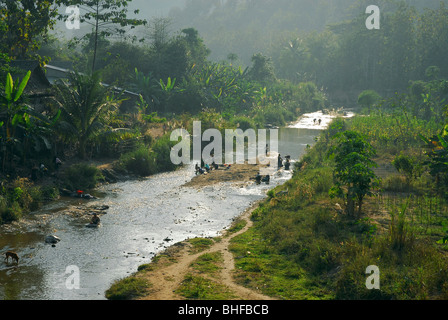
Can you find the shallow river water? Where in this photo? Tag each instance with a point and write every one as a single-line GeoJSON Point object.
{"type": "Point", "coordinates": [145, 216]}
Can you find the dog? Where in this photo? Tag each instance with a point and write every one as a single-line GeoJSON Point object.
{"type": "Point", "coordinates": [11, 255]}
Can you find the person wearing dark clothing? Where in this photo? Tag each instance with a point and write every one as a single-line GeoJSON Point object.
{"type": "Point", "coordinates": [95, 219]}
{"type": "Point", "coordinates": [266, 179]}
{"type": "Point", "coordinates": [57, 163]}
{"type": "Point", "coordinates": [280, 161]}
{"type": "Point", "coordinates": [258, 178]}
{"type": "Point", "coordinates": [34, 173]}
{"type": "Point", "coordinates": [287, 164]}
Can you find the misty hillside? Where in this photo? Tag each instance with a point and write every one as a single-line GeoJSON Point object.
{"type": "Point", "coordinates": [245, 27]}
{"type": "Point", "coordinates": [248, 26]}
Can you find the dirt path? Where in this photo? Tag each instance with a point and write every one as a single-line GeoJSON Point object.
{"type": "Point", "coordinates": [167, 279]}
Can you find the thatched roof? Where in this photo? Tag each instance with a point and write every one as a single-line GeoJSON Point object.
{"type": "Point", "coordinates": [38, 83]}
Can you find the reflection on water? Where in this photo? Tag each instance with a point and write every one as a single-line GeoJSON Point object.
{"type": "Point", "coordinates": [145, 217]}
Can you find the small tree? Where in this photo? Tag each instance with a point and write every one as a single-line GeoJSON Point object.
{"type": "Point", "coordinates": [107, 18]}
{"type": "Point", "coordinates": [406, 165]}
{"type": "Point", "coordinates": [354, 178]}
{"type": "Point", "coordinates": [262, 68]}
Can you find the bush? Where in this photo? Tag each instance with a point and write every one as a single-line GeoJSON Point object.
{"type": "Point", "coordinates": [82, 177]}
{"type": "Point", "coordinates": [244, 123]}
{"type": "Point", "coordinates": [140, 162]}
{"type": "Point", "coordinates": [274, 116]}
{"type": "Point", "coordinates": [162, 153]}
{"type": "Point", "coordinates": [13, 213]}
{"type": "Point", "coordinates": [50, 193]}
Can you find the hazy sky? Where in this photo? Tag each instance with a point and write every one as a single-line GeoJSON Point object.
{"type": "Point", "coordinates": [148, 9]}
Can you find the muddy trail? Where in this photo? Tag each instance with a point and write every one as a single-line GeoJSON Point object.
{"type": "Point", "coordinates": [165, 280]}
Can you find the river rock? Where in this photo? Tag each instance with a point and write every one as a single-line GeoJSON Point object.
{"type": "Point", "coordinates": [52, 239]}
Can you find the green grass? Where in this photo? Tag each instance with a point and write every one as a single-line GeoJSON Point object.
{"type": "Point", "coordinates": [238, 225]}
{"type": "Point", "coordinates": [199, 288]}
{"type": "Point", "coordinates": [127, 289]}
{"type": "Point", "coordinates": [208, 263]}
{"type": "Point", "coordinates": [260, 265]}
{"type": "Point", "coordinates": [200, 244]}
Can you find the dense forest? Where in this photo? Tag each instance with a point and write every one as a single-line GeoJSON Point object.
{"type": "Point", "coordinates": [326, 41]}
{"type": "Point", "coordinates": [246, 64]}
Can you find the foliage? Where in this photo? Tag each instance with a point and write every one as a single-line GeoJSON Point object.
{"type": "Point", "coordinates": [24, 24]}
{"type": "Point", "coordinates": [407, 166]}
{"type": "Point", "coordinates": [368, 98]}
{"type": "Point", "coordinates": [437, 152]}
{"type": "Point", "coordinates": [141, 162]}
{"type": "Point", "coordinates": [12, 112]}
{"type": "Point", "coordinates": [162, 149]}
{"type": "Point", "coordinates": [354, 178]}
{"type": "Point", "coordinates": [82, 177]}
{"type": "Point", "coordinates": [87, 107]}
{"type": "Point", "coordinates": [262, 69]}
{"type": "Point", "coordinates": [107, 17]}
{"type": "Point", "coordinates": [17, 198]}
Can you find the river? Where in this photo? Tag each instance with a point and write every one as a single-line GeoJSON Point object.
{"type": "Point", "coordinates": [145, 216]}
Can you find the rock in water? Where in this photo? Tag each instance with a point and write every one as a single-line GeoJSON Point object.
{"type": "Point", "coordinates": [52, 239]}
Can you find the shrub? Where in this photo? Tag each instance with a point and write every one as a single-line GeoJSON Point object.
{"type": "Point", "coordinates": [162, 154]}
{"type": "Point", "coordinates": [406, 165]}
{"type": "Point", "coordinates": [274, 116]}
{"type": "Point", "coordinates": [13, 213]}
{"type": "Point", "coordinates": [244, 123]}
{"type": "Point", "coordinates": [140, 162]}
{"type": "Point", "coordinates": [50, 193]}
{"type": "Point", "coordinates": [82, 176]}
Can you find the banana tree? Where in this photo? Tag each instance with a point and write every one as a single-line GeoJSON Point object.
{"type": "Point", "coordinates": [147, 86]}
{"type": "Point", "coordinates": [39, 130]}
{"type": "Point", "coordinates": [12, 112]}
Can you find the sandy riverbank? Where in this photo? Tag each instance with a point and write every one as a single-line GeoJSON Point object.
{"type": "Point", "coordinates": [238, 173]}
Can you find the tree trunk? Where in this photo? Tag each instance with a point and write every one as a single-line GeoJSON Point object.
{"type": "Point", "coordinates": [350, 206]}
{"type": "Point", "coordinates": [359, 207]}
{"type": "Point", "coordinates": [95, 48]}
{"type": "Point", "coordinates": [82, 148]}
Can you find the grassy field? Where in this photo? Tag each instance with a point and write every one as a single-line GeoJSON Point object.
{"type": "Point", "coordinates": [304, 246]}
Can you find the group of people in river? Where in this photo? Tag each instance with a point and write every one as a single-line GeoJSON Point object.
{"type": "Point", "coordinates": [319, 121]}
{"type": "Point", "coordinates": [286, 163]}
{"type": "Point", "coordinates": [259, 178]}
{"type": "Point", "coordinates": [206, 168]}
{"type": "Point", "coordinates": [280, 164]}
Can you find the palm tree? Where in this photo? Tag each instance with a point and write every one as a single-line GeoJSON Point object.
{"type": "Point", "coordinates": [86, 108]}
